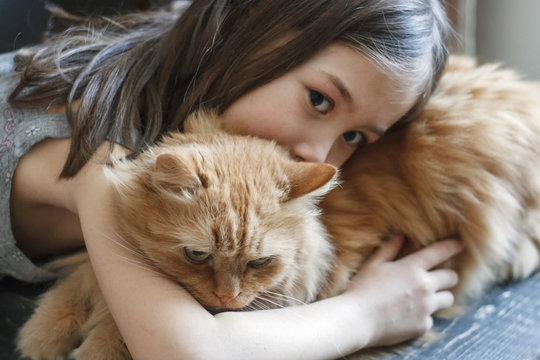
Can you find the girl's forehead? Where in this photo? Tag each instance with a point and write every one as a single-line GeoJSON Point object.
{"type": "Point", "coordinates": [358, 79]}
{"type": "Point", "coordinates": [352, 66]}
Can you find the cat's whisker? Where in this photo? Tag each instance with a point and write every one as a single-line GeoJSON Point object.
{"type": "Point", "coordinates": [255, 306]}
{"type": "Point", "coordinates": [280, 306]}
{"type": "Point", "coordinates": [270, 301]}
{"type": "Point", "coordinates": [123, 244]}
{"type": "Point", "coordinates": [299, 285]}
{"type": "Point", "coordinates": [140, 260]}
{"type": "Point", "coordinates": [290, 301]}
{"type": "Point", "coordinates": [288, 298]}
{"type": "Point", "coordinates": [133, 261]}
{"type": "Point", "coordinates": [126, 245]}
{"type": "Point", "coordinates": [258, 304]}
{"type": "Point", "coordinates": [141, 265]}
{"type": "Point", "coordinates": [278, 299]}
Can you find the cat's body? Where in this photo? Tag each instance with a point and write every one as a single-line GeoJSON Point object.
{"type": "Point", "coordinates": [229, 216]}
{"type": "Point", "coordinates": [232, 218]}
{"type": "Point", "coordinates": [469, 166]}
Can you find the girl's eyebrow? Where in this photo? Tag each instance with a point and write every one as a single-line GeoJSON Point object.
{"type": "Point", "coordinates": [336, 81]}
{"type": "Point", "coordinates": [339, 85]}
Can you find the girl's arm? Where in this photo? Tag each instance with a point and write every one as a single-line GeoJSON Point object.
{"type": "Point", "coordinates": [387, 302]}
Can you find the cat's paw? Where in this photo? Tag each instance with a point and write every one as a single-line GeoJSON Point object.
{"type": "Point", "coordinates": [36, 342]}
{"type": "Point", "coordinates": [102, 342]}
{"type": "Point", "coordinates": [51, 332]}
{"type": "Point", "coordinates": [89, 352]}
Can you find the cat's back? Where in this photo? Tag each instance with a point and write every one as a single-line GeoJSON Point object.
{"type": "Point", "coordinates": [467, 166]}
{"type": "Point", "coordinates": [480, 119]}
{"type": "Point", "coordinates": [474, 143]}
{"type": "Point", "coordinates": [481, 127]}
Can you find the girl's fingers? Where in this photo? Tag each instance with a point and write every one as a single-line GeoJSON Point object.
{"type": "Point", "coordinates": [387, 251]}
{"type": "Point", "coordinates": [443, 278]}
{"type": "Point", "coordinates": [435, 254]}
{"type": "Point", "coordinates": [443, 300]}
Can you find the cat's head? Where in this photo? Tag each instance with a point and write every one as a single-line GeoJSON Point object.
{"type": "Point", "coordinates": [229, 217]}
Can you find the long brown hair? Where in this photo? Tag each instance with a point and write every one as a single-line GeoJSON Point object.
{"type": "Point", "coordinates": [148, 71]}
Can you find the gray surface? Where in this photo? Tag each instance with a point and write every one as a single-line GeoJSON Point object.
{"type": "Point", "coordinates": [503, 325]}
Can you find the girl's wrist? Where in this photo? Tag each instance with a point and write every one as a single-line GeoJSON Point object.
{"type": "Point", "coordinates": [358, 318]}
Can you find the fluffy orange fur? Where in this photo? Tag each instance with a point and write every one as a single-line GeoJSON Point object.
{"type": "Point", "coordinates": [232, 218]}
{"type": "Point", "coordinates": [235, 221]}
{"type": "Point", "coordinates": [468, 166]}
{"type": "Point", "coordinates": [241, 204]}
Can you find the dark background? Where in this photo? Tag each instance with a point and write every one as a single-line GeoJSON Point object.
{"type": "Point", "coordinates": [22, 22]}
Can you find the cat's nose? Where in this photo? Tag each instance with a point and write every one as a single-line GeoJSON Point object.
{"type": "Point", "coordinates": [224, 299]}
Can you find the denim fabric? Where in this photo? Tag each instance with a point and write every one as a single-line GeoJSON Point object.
{"type": "Point", "coordinates": [502, 325]}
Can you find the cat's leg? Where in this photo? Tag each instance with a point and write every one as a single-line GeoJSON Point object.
{"type": "Point", "coordinates": [527, 258]}
{"type": "Point", "coordinates": [55, 327]}
{"type": "Point", "coordinates": [496, 252]}
{"type": "Point", "coordinates": [102, 340]}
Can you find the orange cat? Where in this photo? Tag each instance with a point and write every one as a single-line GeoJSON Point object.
{"type": "Point", "coordinates": [231, 218]}
{"type": "Point", "coordinates": [468, 166]}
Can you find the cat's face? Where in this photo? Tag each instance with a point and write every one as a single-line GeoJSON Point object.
{"type": "Point", "coordinates": [228, 220]}
{"type": "Point", "coordinates": [226, 249]}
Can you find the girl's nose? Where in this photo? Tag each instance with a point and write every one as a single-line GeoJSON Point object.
{"type": "Point", "coordinates": [315, 151]}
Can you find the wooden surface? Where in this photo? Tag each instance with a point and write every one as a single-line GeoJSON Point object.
{"type": "Point", "coordinates": [503, 325]}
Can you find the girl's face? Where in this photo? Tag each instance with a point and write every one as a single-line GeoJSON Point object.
{"type": "Point", "coordinates": [323, 110]}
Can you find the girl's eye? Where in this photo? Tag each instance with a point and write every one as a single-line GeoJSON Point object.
{"type": "Point", "coordinates": [196, 257]}
{"type": "Point", "coordinates": [320, 102]}
{"type": "Point", "coordinates": [355, 138]}
{"type": "Point", "coordinates": [260, 262]}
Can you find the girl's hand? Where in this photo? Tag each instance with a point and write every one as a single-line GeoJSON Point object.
{"type": "Point", "coordinates": [403, 294]}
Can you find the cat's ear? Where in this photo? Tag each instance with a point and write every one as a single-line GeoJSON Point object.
{"type": "Point", "coordinates": [202, 122]}
{"type": "Point", "coordinates": [306, 177]}
{"type": "Point", "coordinates": [174, 172]}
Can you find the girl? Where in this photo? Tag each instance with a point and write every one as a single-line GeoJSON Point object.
{"type": "Point", "coordinates": [321, 77]}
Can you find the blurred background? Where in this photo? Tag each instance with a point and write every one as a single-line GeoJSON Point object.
{"type": "Point", "coordinates": [22, 22]}
{"type": "Point", "coordinates": [506, 31]}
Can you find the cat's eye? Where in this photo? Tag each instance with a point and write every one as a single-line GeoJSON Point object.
{"type": "Point", "coordinates": [260, 262]}
{"type": "Point", "coordinates": [197, 257]}
{"type": "Point", "coordinates": [355, 138]}
{"type": "Point", "coordinates": [320, 102]}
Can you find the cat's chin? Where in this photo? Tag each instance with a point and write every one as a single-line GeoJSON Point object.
{"type": "Point", "coordinates": [232, 306]}
{"type": "Point", "coordinates": [221, 309]}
